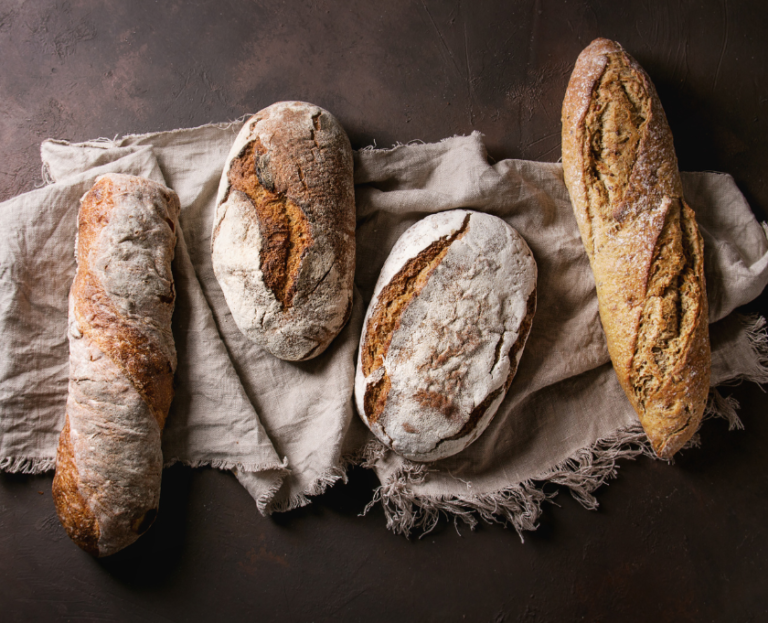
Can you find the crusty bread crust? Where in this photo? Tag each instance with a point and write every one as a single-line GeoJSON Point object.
{"type": "Point", "coordinates": [283, 240]}
{"type": "Point", "coordinates": [444, 333]}
{"type": "Point", "coordinates": [642, 241]}
{"type": "Point", "coordinates": [122, 360]}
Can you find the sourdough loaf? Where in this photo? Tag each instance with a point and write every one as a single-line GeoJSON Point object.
{"type": "Point", "coordinates": [283, 241]}
{"type": "Point", "coordinates": [642, 241]}
{"type": "Point", "coordinates": [122, 360]}
{"type": "Point", "coordinates": [444, 333]}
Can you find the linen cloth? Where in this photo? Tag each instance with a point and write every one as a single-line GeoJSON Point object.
{"type": "Point", "coordinates": [288, 430]}
{"type": "Point", "coordinates": [565, 418]}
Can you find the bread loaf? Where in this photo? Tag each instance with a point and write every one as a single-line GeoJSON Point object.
{"type": "Point", "coordinates": [444, 333]}
{"type": "Point", "coordinates": [283, 239]}
{"type": "Point", "coordinates": [122, 360]}
{"type": "Point", "coordinates": [642, 241]}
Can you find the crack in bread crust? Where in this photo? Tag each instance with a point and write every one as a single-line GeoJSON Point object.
{"type": "Point", "coordinates": [524, 331]}
{"type": "Point", "coordinates": [395, 297]}
{"type": "Point", "coordinates": [671, 307]}
{"type": "Point", "coordinates": [616, 122]}
{"type": "Point", "coordinates": [479, 411]}
{"type": "Point", "coordinates": [642, 240]}
{"type": "Point", "coordinates": [120, 337]}
{"type": "Point", "coordinates": [283, 226]}
{"type": "Point", "coordinates": [376, 398]}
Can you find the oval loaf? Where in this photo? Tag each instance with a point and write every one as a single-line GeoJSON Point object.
{"type": "Point", "coordinates": [444, 333]}
{"type": "Point", "coordinates": [283, 241]}
{"type": "Point", "coordinates": [642, 240]}
{"type": "Point", "coordinates": [121, 364]}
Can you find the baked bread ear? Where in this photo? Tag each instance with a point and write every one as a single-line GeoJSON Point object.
{"type": "Point", "coordinates": [283, 241]}
{"type": "Point", "coordinates": [122, 360]}
{"type": "Point", "coordinates": [444, 333]}
{"type": "Point", "coordinates": [642, 241]}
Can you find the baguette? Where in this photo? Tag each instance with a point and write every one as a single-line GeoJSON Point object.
{"type": "Point", "coordinates": [283, 241]}
{"type": "Point", "coordinates": [444, 333]}
{"type": "Point", "coordinates": [642, 240]}
{"type": "Point", "coordinates": [122, 360]}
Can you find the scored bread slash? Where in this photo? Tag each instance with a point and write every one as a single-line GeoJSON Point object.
{"type": "Point", "coordinates": [444, 333]}
{"type": "Point", "coordinates": [283, 240]}
{"type": "Point", "coordinates": [122, 359]}
{"type": "Point", "coordinates": [642, 240]}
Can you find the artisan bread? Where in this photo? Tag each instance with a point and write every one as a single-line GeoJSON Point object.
{"type": "Point", "coordinates": [444, 333]}
{"type": "Point", "coordinates": [283, 239]}
{"type": "Point", "coordinates": [642, 241]}
{"type": "Point", "coordinates": [122, 360]}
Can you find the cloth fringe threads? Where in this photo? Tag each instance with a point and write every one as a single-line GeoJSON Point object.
{"type": "Point", "coordinates": [26, 465]}
{"type": "Point", "coordinates": [520, 505]}
{"type": "Point", "coordinates": [317, 487]}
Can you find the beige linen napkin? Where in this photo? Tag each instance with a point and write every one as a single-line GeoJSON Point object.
{"type": "Point", "coordinates": [288, 429]}
{"type": "Point", "coordinates": [565, 418]}
{"type": "Point", "coordinates": [304, 407]}
{"type": "Point", "coordinates": [211, 421]}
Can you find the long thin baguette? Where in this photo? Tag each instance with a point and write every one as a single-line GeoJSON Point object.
{"type": "Point", "coordinates": [122, 360]}
{"type": "Point", "coordinates": [642, 241]}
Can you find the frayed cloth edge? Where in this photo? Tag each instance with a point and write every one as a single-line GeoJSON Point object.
{"type": "Point", "coordinates": [224, 125]}
{"type": "Point", "coordinates": [415, 141]}
{"type": "Point", "coordinates": [224, 464]}
{"type": "Point", "coordinates": [109, 143]}
{"type": "Point", "coordinates": [365, 456]}
{"type": "Point", "coordinates": [27, 465]}
{"type": "Point", "coordinates": [297, 500]}
{"type": "Point", "coordinates": [520, 505]}
{"type": "Point", "coordinates": [757, 335]}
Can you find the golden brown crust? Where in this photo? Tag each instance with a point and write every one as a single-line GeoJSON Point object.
{"type": "Point", "coordinates": [75, 515]}
{"type": "Point", "coordinates": [284, 227]}
{"type": "Point", "coordinates": [397, 294]}
{"type": "Point", "coordinates": [287, 190]}
{"type": "Point", "coordinates": [376, 398]}
{"type": "Point", "coordinates": [122, 359]}
{"type": "Point", "coordinates": [119, 337]}
{"type": "Point", "coordinates": [642, 241]}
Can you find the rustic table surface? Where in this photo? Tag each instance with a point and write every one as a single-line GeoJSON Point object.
{"type": "Point", "coordinates": [685, 542]}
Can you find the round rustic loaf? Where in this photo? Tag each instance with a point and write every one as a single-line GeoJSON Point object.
{"type": "Point", "coordinates": [283, 241]}
{"type": "Point", "coordinates": [444, 333]}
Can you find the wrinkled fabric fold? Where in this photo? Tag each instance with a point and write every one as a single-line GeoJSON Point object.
{"type": "Point", "coordinates": [288, 430]}
{"type": "Point", "coordinates": [565, 412]}
{"type": "Point", "coordinates": [211, 421]}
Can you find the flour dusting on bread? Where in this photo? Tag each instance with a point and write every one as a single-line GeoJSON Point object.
{"type": "Point", "coordinates": [283, 242]}
{"type": "Point", "coordinates": [642, 241]}
{"type": "Point", "coordinates": [444, 333]}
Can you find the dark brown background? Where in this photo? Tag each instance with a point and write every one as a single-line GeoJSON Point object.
{"type": "Point", "coordinates": [669, 543]}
